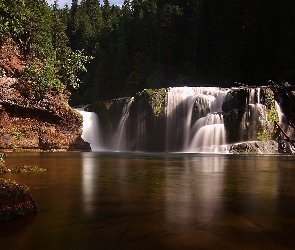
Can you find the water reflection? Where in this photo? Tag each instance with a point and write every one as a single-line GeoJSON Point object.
{"type": "Point", "coordinates": [145, 201]}
{"type": "Point", "coordinates": [190, 190]}
{"type": "Point", "coordinates": [89, 168]}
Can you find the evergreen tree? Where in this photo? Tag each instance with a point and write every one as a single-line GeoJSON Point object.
{"type": "Point", "coordinates": [285, 59]}
{"type": "Point", "coordinates": [160, 43]}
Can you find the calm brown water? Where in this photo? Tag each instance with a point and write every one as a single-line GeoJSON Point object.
{"type": "Point", "coordinates": [155, 201]}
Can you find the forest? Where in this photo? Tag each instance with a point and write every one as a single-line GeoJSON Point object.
{"type": "Point", "coordinates": [100, 51]}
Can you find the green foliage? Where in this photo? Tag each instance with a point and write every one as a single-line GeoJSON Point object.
{"type": "Point", "coordinates": [264, 132]}
{"type": "Point", "coordinates": [272, 114]}
{"type": "Point", "coordinates": [27, 169]}
{"type": "Point", "coordinates": [149, 91]}
{"type": "Point", "coordinates": [40, 33]}
{"type": "Point", "coordinates": [268, 100]}
{"type": "Point", "coordinates": [2, 157]}
{"type": "Point", "coordinates": [74, 64]}
{"type": "Point", "coordinates": [28, 22]}
{"type": "Point", "coordinates": [157, 100]}
{"type": "Point", "coordinates": [263, 135]}
{"type": "Point", "coordinates": [163, 43]}
{"type": "Point", "coordinates": [21, 169]}
{"type": "Point", "coordinates": [151, 44]}
{"type": "Point", "coordinates": [42, 76]}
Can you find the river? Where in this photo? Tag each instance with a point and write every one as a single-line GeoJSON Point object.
{"type": "Point", "coordinates": [99, 200]}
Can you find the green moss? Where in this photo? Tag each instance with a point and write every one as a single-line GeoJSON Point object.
{"type": "Point", "coordinates": [20, 169]}
{"type": "Point", "coordinates": [157, 100]}
{"type": "Point", "coordinates": [16, 135]}
{"type": "Point", "coordinates": [263, 135]}
{"type": "Point", "coordinates": [42, 76]}
{"type": "Point", "coordinates": [269, 101]}
{"type": "Point", "coordinates": [2, 157]}
{"type": "Point", "coordinates": [27, 169]}
{"type": "Point", "coordinates": [272, 115]}
{"type": "Point", "coordinates": [149, 91]}
{"type": "Point", "coordinates": [15, 200]}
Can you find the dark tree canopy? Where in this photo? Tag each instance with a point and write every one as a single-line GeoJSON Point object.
{"type": "Point", "coordinates": [160, 43]}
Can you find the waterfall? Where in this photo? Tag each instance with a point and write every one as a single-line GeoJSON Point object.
{"type": "Point", "coordinates": [210, 135]}
{"type": "Point", "coordinates": [255, 113]}
{"type": "Point", "coordinates": [91, 130]}
{"type": "Point", "coordinates": [120, 139]}
{"type": "Point", "coordinates": [188, 119]}
{"type": "Point", "coordinates": [195, 120]}
{"type": "Point", "coordinates": [283, 121]}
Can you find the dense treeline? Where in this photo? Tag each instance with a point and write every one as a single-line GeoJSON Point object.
{"type": "Point", "coordinates": [160, 43]}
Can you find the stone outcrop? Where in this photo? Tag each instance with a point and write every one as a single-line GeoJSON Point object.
{"type": "Point", "coordinates": [15, 201]}
{"type": "Point", "coordinates": [254, 147]}
{"type": "Point", "coordinates": [285, 96]}
{"type": "Point", "coordinates": [145, 121]}
{"type": "Point", "coordinates": [30, 121]}
{"type": "Point", "coordinates": [253, 110]}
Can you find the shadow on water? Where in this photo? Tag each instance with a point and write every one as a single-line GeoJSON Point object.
{"type": "Point", "coordinates": [104, 200]}
{"type": "Point", "coordinates": [16, 227]}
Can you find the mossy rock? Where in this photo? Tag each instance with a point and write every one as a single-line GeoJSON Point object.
{"type": "Point", "coordinates": [27, 169]}
{"type": "Point", "coordinates": [20, 169]}
{"type": "Point", "coordinates": [2, 157]}
{"type": "Point", "coordinates": [15, 200]}
{"type": "Point", "coordinates": [236, 100]}
{"type": "Point", "coordinates": [157, 99]}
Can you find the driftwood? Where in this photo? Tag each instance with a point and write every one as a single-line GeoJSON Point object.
{"type": "Point", "coordinates": [285, 134]}
{"type": "Point", "coordinates": [283, 87]}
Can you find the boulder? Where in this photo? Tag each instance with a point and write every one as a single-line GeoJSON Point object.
{"type": "Point", "coordinates": [30, 121]}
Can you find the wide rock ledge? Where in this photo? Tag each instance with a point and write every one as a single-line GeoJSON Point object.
{"type": "Point", "coordinates": [30, 121]}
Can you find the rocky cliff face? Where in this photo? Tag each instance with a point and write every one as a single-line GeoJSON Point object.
{"type": "Point", "coordinates": [249, 114]}
{"type": "Point", "coordinates": [285, 96]}
{"type": "Point", "coordinates": [30, 121]}
{"type": "Point", "coordinates": [133, 124]}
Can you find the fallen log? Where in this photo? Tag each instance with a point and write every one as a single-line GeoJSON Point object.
{"type": "Point", "coordinates": [285, 134]}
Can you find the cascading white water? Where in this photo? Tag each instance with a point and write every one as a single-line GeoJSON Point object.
{"type": "Point", "coordinates": [283, 121]}
{"type": "Point", "coordinates": [194, 121]}
{"type": "Point", "coordinates": [252, 116]}
{"type": "Point", "coordinates": [199, 130]}
{"type": "Point", "coordinates": [253, 113]}
{"type": "Point", "coordinates": [210, 135]}
{"type": "Point", "coordinates": [120, 142]}
{"type": "Point", "coordinates": [91, 130]}
{"type": "Point", "coordinates": [179, 110]}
